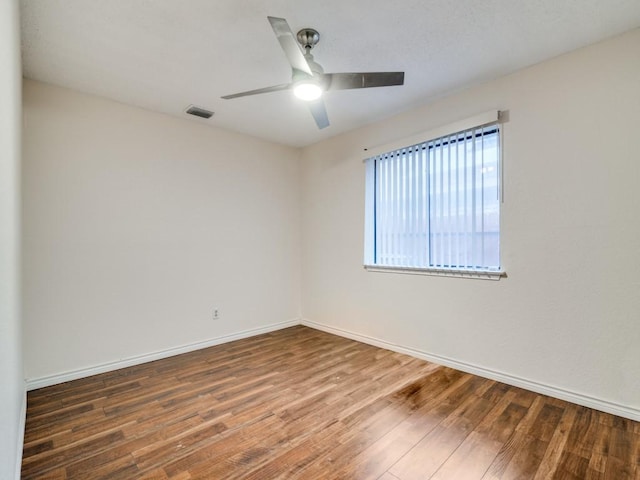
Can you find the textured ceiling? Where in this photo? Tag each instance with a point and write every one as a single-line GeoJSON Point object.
{"type": "Point", "coordinates": [164, 55]}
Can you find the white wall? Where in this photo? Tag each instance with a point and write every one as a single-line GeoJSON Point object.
{"type": "Point", "coordinates": [12, 392]}
{"type": "Point", "coordinates": [568, 315]}
{"type": "Point", "coordinates": [137, 224]}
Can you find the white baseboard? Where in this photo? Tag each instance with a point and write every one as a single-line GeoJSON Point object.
{"type": "Point", "coordinates": [21, 427]}
{"type": "Point", "coordinates": [562, 394]}
{"type": "Point", "coordinates": [34, 383]}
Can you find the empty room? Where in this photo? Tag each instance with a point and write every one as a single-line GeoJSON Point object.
{"type": "Point", "coordinates": [319, 240]}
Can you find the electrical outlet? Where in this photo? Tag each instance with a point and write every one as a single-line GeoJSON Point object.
{"type": "Point", "coordinates": [216, 314]}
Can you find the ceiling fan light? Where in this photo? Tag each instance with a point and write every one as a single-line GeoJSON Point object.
{"type": "Point", "coordinates": [307, 91]}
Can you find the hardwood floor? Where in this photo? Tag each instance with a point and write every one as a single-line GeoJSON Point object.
{"type": "Point", "coordinates": [303, 404]}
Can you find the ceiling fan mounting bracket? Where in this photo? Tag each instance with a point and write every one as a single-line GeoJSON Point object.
{"type": "Point", "coordinates": [308, 38]}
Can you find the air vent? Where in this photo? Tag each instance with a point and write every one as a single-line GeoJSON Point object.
{"type": "Point", "coordinates": [199, 112]}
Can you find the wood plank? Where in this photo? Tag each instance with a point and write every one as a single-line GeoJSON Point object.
{"type": "Point", "coordinates": [466, 412]}
{"type": "Point", "coordinates": [624, 453]}
{"type": "Point", "coordinates": [54, 458]}
{"type": "Point", "coordinates": [470, 460]}
{"type": "Point", "coordinates": [551, 459]}
{"type": "Point", "coordinates": [477, 452]}
{"type": "Point", "coordinates": [575, 466]}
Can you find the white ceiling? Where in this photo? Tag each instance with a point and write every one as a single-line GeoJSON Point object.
{"type": "Point", "coordinates": [164, 55]}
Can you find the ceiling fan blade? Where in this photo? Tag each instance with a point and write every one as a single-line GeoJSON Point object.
{"type": "Point", "coordinates": [275, 88]}
{"type": "Point", "coordinates": [319, 112]}
{"type": "Point", "coordinates": [289, 44]}
{"type": "Point", "coordinates": [344, 81]}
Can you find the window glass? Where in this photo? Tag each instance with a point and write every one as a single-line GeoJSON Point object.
{"type": "Point", "coordinates": [436, 204]}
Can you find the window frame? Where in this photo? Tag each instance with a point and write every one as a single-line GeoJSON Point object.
{"type": "Point", "coordinates": [476, 122]}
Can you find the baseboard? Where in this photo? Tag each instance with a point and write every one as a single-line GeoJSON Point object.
{"type": "Point", "coordinates": [562, 394]}
{"type": "Point", "coordinates": [552, 391]}
{"type": "Point", "coordinates": [21, 427]}
{"type": "Point", "coordinates": [35, 383]}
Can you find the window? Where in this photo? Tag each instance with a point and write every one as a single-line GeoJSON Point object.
{"type": "Point", "coordinates": [434, 206]}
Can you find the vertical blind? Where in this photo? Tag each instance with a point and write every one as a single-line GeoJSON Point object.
{"type": "Point", "coordinates": [436, 204]}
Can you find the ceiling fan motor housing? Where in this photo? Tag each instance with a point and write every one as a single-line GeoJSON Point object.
{"type": "Point", "coordinates": [308, 38]}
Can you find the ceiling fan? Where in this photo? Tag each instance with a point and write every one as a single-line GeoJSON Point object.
{"type": "Point", "coordinates": [308, 80]}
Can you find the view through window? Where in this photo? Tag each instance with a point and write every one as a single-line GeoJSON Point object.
{"type": "Point", "coordinates": [436, 204]}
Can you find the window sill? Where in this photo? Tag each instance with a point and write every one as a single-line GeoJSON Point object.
{"type": "Point", "coordinates": [439, 272]}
